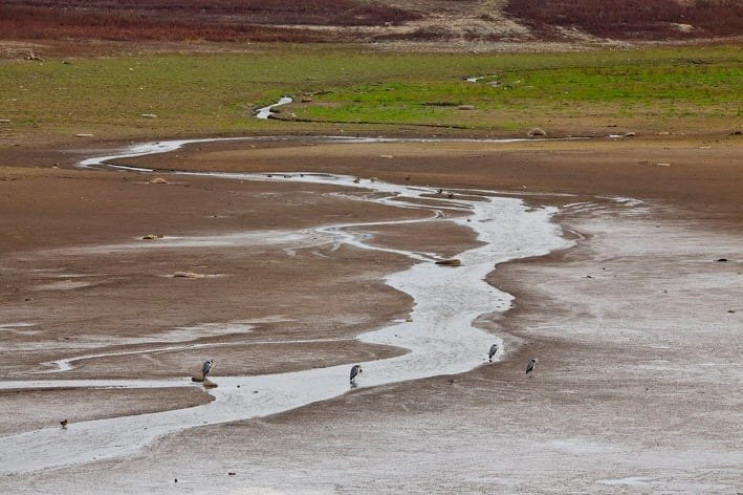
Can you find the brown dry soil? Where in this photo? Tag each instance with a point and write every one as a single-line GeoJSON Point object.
{"type": "Point", "coordinates": [76, 267]}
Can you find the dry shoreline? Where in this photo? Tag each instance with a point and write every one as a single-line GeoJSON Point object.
{"type": "Point", "coordinates": [586, 379]}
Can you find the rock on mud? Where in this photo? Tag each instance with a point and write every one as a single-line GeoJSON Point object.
{"type": "Point", "coordinates": [450, 262]}
{"type": "Point", "coordinates": [536, 132]}
{"type": "Point", "coordinates": [191, 275]}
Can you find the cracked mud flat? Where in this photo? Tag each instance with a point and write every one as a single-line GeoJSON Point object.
{"type": "Point", "coordinates": [637, 388]}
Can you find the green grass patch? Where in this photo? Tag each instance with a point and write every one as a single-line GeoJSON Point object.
{"type": "Point", "coordinates": [687, 87]}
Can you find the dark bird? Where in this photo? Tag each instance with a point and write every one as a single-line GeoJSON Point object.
{"type": "Point", "coordinates": [492, 352]}
{"type": "Point", "coordinates": [207, 367]}
{"type": "Point", "coordinates": [355, 370]}
{"type": "Point", "coordinates": [64, 424]}
{"type": "Point", "coordinates": [530, 366]}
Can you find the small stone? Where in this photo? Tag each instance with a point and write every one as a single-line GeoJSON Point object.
{"type": "Point", "coordinates": [158, 180]}
{"type": "Point", "coordinates": [536, 132]}
{"type": "Point", "coordinates": [449, 262]}
{"type": "Point", "coordinates": [190, 275]}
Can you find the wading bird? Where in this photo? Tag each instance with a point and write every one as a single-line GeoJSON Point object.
{"type": "Point", "coordinates": [64, 424]}
{"type": "Point", "coordinates": [530, 366]}
{"type": "Point", "coordinates": [493, 350]}
{"type": "Point", "coordinates": [207, 367]}
{"type": "Point", "coordinates": [355, 370]}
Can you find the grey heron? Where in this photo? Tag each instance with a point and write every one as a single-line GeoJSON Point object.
{"type": "Point", "coordinates": [355, 370]}
{"type": "Point", "coordinates": [530, 366]}
{"type": "Point", "coordinates": [492, 352]}
{"type": "Point", "coordinates": [207, 367]}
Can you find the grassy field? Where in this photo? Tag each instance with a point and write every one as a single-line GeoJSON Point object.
{"type": "Point", "coordinates": [660, 89]}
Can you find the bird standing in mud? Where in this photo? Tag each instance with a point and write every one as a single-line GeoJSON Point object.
{"type": "Point", "coordinates": [64, 424]}
{"type": "Point", "coordinates": [492, 352]}
{"type": "Point", "coordinates": [355, 370]}
{"type": "Point", "coordinates": [207, 367]}
{"type": "Point", "coordinates": [530, 366]}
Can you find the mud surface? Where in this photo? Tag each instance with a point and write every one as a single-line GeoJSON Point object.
{"type": "Point", "coordinates": [637, 328]}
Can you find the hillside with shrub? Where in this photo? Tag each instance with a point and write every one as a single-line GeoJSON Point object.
{"type": "Point", "coordinates": [370, 20]}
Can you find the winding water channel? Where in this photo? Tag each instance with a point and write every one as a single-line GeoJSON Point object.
{"type": "Point", "coordinates": [441, 336]}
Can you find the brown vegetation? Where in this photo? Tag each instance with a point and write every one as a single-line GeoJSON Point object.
{"type": "Point", "coordinates": [631, 19]}
{"type": "Point", "coordinates": [230, 20]}
{"type": "Point", "coordinates": [368, 20]}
